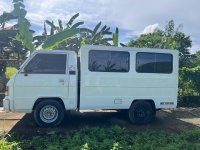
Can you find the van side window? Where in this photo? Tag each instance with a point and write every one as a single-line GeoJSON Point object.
{"type": "Point", "coordinates": [47, 64]}
{"type": "Point", "coordinates": [154, 62]}
{"type": "Point", "coordinates": [108, 61]}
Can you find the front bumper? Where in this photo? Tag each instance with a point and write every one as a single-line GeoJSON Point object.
{"type": "Point", "coordinates": [6, 105]}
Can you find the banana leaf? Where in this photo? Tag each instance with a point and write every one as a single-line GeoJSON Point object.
{"type": "Point", "coordinates": [54, 40]}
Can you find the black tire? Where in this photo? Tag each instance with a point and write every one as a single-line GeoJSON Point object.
{"type": "Point", "coordinates": [141, 112]}
{"type": "Point", "coordinates": [49, 113]}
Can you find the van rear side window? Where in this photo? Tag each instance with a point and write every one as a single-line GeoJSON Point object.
{"type": "Point", "coordinates": [154, 63]}
{"type": "Point", "coordinates": [47, 64]}
{"type": "Point", "coordinates": [108, 61]}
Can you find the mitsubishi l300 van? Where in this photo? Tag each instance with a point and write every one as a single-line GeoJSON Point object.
{"type": "Point", "coordinates": [138, 80]}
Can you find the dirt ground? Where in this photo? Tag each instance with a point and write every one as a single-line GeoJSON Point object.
{"type": "Point", "coordinates": [173, 121]}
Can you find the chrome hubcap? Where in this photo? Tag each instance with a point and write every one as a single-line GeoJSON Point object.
{"type": "Point", "coordinates": [48, 114]}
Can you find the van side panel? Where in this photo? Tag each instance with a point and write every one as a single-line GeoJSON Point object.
{"type": "Point", "coordinates": [114, 90]}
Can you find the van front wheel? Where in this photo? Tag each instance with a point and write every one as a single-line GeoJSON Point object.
{"type": "Point", "coordinates": [49, 113]}
{"type": "Point", "coordinates": [141, 112]}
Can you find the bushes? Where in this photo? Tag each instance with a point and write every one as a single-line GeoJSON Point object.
{"type": "Point", "coordinates": [4, 78]}
{"type": "Point", "coordinates": [189, 87]}
{"type": "Point", "coordinates": [189, 81]}
{"type": "Point", "coordinates": [10, 71]}
{"type": "Point", "coordinates": [189, 101]}
{"type": "Point", "coordinates": [6, 145]}
{"type": "Point", "coordinates": [102, 138]}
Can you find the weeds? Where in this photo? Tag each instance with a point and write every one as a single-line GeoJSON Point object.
{"type": "Point", "coordinates": [6, 145]}
{"type": "Point", "coordinates": [107, 138]}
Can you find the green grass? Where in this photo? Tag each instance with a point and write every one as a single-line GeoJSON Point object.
{"type": "Point", "coordinates": [108, 138]}
{"type": "Point", "coordinates": [10, 71]}
{"type": "Point", "coordinates": [5, 145]}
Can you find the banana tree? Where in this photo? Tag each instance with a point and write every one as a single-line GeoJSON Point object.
{"type": "Point", "coordinates": [97, 36]}
{"type": "Point", "coordinates": [56, 29]}
{"type": "Point", "coordinates": [116, 39]}
{"type": "Point", "coordinates": [24, 36]}
{"type": "Point", "coordinates": [71, 36]}
{"type": "Point", "coordinates": [60, 27]}
{"type": "Point", "coordinates": [39, 39]}
{"type": "Point", "coordinates": [14, 40]}
{"type": "Point", "coordinates": [58, 38]}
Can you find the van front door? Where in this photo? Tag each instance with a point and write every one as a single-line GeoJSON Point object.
{"type": "Point", "coordinates": [44, 76]}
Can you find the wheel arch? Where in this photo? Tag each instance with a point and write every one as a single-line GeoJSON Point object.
{"type": "Point", "coordinates": [45, 98]}
{"type": "Point", "coordinates": [151, 101]}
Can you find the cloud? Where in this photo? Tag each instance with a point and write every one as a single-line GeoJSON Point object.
{"type": "Point", "coordinates": [5, 5]}
{"type": "Point", "coordinates": [195, 47]}
{"type": "Point", "coordinates": [129, 15]}
{"type": "Point", "coordinates": [150, 28]}
{"type": "Point", "coordinates": [195, 43]}
{"type": "Point", "coordinates": [127, 35]}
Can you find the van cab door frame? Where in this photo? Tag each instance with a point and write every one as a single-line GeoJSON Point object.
{"type": "Point", "coordinates": [29, 87]}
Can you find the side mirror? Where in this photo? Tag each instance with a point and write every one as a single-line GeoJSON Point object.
{"type": "Point", "coordinates": [26, 71]}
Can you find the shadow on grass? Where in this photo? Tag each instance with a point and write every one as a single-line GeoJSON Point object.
{"type": "Point", "coordinates": [164, 121]}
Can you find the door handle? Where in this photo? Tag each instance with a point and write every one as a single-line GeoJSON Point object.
{"type": "Point", "coordinates": [62, 81]}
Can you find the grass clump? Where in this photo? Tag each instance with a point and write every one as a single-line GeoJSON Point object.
{"type": "Point", "coordinates": [108, 138]}
{"type": "Point", "coordinates": [6, 145]}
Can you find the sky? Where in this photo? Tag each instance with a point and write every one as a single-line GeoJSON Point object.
{"type": "Point", "coordinates": [132, 17]}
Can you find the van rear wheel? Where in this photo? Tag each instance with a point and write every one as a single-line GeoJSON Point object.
{"type": "Point", "coordinates": [49, 113]}
{"type": "Point", "coordinates": [141, 112]}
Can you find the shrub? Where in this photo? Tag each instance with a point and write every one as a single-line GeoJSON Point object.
{"type": "Point", "coordinates": [189, 101]}
{"type": "Point", "coordinates": [114, 138]}
{"type": "Point", "coordinates": [6, 145]}
{"type": "Point", "coordinates": [4, 78]}
{"type": "Point", "coordinates": [10, 71]}
{"type": "Point", "coordinates": [189, 81]}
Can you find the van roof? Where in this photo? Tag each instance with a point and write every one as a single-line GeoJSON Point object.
{"type": "Point", "coordinates": [128, 49]}
{"type": "Point", "coordinates": [110, 48]}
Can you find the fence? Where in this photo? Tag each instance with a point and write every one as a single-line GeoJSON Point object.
{"type": "Point", "coordinates": [11, 62]}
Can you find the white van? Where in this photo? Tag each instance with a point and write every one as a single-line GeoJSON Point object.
{"type": "Point", "coordinates": [139, 80]}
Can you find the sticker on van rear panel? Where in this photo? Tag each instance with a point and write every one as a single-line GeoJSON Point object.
{"type": "Point", "coordinates": [166, 103]}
